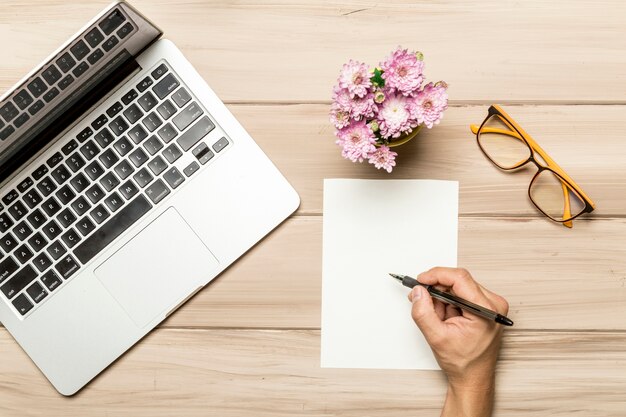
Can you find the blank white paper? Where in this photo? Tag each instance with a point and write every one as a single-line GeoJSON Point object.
{"type": "Point", "coordinates": [372, 228]}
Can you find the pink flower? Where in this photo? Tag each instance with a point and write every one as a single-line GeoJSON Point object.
{"type": "Point", "coordinates": [394, 117]}
{"type": "Point", "coordinates": [355, 78]}
{"type": "Point", "coordinates": [403, 71]}
{"type": "Point", "coordinates": [429, 104]}
{"type": "Point", "coordinates": [363, 107]}
{"type": "Point", "coordinates": [342, 98]}
{"type": "Point", "coordinates": [357, 141]}
{"type": "Point", "coordinates": [339, 117]}
{"type": "Point", "coordinates": [384, 158]}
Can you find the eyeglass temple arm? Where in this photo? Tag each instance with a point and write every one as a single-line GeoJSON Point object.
{"type": "Point", "coordinates": [567, 208]}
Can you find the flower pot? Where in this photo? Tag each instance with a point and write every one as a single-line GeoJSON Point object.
{"type": "Point", "coordinates": [405, 138]}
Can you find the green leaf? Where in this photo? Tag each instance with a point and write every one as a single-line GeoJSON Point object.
{"type": "Point", "coordinates": [377, 78]}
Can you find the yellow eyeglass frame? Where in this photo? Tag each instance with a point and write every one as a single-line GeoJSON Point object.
{"type": "Point", "coordinates": [517, 132]}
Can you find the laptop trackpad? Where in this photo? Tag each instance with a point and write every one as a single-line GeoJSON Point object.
{"type": "Point", "coordinates": [158, 268]}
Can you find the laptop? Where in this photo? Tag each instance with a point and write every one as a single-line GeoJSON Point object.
{"type": "Point", "coordinates": [126, 186]}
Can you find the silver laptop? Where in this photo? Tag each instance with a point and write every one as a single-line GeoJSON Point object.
{"type": "Point", "coordinates": [126, 186]}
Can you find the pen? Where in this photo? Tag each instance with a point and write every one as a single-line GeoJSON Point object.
{"type": "Point", "coordinates": [455, 301]}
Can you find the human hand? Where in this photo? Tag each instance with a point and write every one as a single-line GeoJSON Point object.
{"type": "Point", "coordinates": [465, 345]}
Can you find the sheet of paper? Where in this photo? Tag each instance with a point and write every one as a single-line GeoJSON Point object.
{"type": "Point", "coordinates": [371, 228]}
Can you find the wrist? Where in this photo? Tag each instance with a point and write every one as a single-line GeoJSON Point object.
{"type": "Point", "coordinates": [469, 400]}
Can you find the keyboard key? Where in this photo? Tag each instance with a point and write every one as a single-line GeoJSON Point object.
{"type": "Point", "coordinates": [166, 109]}
{"type": "Point", "coordinates": [159, 71]}
{"type": "Point", "coordinates": [109, 181]}
{"type": "Point", "coordinates": [113, 202]}
{"type": "Point", "coordinates": [187, 116]}
{"type": "Point", "coordinates": [123, 146]}
{"type": "Point", "coordinates": [95, 56]}
{"type": "Point", "coordinates": [22, 304]}
{"type": "Point", "coordinates": [89, 150]}
{"type": "Point", "coordinates": [51, 94]}
{"type": "Point", "coordinates": [46, 186]}
{"type": "Point", "coordinates": [125, 30]}
{"type": "Point", "coordinates": [25, 185]}
{"type": "Point", "coordinates": [32, 198]}
{"type": "Point", "coordinates": [36, 218]}
{"type": "Point", "coordinates": [144, 84]}
{"type": "Point", "coordinates": [167, 133]}
{"type": "Point", "coordinates": [180, 97]}
{"type": "Point", "coordinates": [37, 87]}
{"type": "Point", "coordinates": [17, 210]}
{"type": "Point", "coordinates": [79, 50]}
{"type": "Point", "coordinates": [69, 147]}
{"type": "Point", "coordinates": [191, 168]}
{"type": "Point", "coordinates": [147, 101]}
{"type": "Point", "coordinates": [42, 262]}
{"type": "Point", "coordinates": [173, 177]}
{"type": "Point", "coordinates": [95, 193]}
{"type": "Point", "coordinates": [168, 84]}
{"type": "Point", "coordinates": [37, 242]}
{"type": "Point", "coordinates": [133, 113]}
{"type": "Point", "coordinates": [118, 126]}
{"type": "Point", "coordinates": [23, 99]}
{"type": "Point", "coordinates": [85, 226]}
{"type": "Point", "coordinates": [65, 194]}
{"type": "Point", "coordinates": [66, 63]}
{"type": "Point", "coordinates": [51, 229]}
{"type": "Point", "coordinates": [5, 133]}
{"type": "Point", "coordinates": [75, 162]}
{"type": "Point", "coordinates": [66, 218]}
{"type": "Point", "coordinates": [152, 145]}
{"type": "Point", "coordinates": [36, 292]}
{"type": "Point", "coordinates": [10, 197]}
{"type": "Point", "coordinates": [138, 157]}
{"type": "Point", "coordinates": [22, 231]}
{"type": "Point", "coordinates": [5, 222]}
{"type": "Point", "coordinates": [157, 191]}
{"type": "Point", "coordinates": [99, 122]}
{"type": "Point", "coordinates": [130, 96]}
{"type": "Point", "coordinates": [137, 134]}
{"type": "Point", "coordinates": [143, 177]}
{"type": "Point", "coordinates": [51, 280]}
{"type": "Point", "coordinates": [79, 182]}
{"type": "Point", "coordinates": [35, 107]}
{"type": "Point", "coordinates": [110, 230]}
{"type": "Point", "coordinates": [67, 267]}
{"type": "Point", "coordinates": [196, 132]}
{"type": "Point", "coordinates": [157, 165]}
{"type": "Point", "coordinates": [9, 112]}
{"type": "Point", "coordinates": [94, 37]}
{"type": "Point", "coordinates": [220, 144]}
{"type": "Point", "coordinates": [23, 254]}
{"type": "Point", "coordinates": [7, 268]}
{"type": "Point", "coordinates": [21, 119]}
{"type": "Point", "coordinates": [80, 206]}
{"type": "Point", "coordinates": [51, 75]}
{"type": "Point", "coordinates": [94, 170]}
{"type": "Point", "coordinates": [108, 158]}
{"type": "Point", "coordinates": [40, 172]}
{"type": "Point", "coordinates": [112, 22]}
{"type": "Point", "coordinates": [65, 82]}
{"type": "Point", "coordinates": [124, 169]}
{"type": "Point", "coordinates": [84, 134]}
{"type": "Point", "coordinates": [128, 189]}
{"type": "Point", "coordinates": [99, 214]}
{"type": "Point", "coordinates": [56, 250]}
{"type": "Point", "coordinates": [114, 109]}
{"type": "Point", "coordinates": [70, 238]}
{"type": "Point", "coordinates": [202, 153]}
{"type": "Point", "coordinates": [60, 174]}
{"type": "Point", "coordinates": [104, 138]}
{"type": "Point", "coordinates": [152, 122]}
{"type": "Point", "coordinates": [172, 153]}
{"type": "Point", "coordinates": [110, 43]}
{"type": "Point", "coordinates": [80, 69]}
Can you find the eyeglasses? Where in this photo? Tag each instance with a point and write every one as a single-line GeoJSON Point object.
{"type": "Point", "coordinates": [509, 147]}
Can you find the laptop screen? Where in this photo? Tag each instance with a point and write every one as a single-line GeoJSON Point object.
{"type": "Point", "coordinates": [54, 96]}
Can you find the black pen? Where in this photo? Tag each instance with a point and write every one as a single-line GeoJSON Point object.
{"type": "Point", "coordinates": [455, 301]}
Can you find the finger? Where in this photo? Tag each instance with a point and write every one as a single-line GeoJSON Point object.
{"type": "Point", "coordinates": [440, 309]}
{"type": "Point", "coordinates": [498, 302]}
{"type": "Point", "coordinates": [452, 311]}
{"type": "Point", "coordinates": [424, 315]}
{"type": "Point", "coordinates": [458, 280]}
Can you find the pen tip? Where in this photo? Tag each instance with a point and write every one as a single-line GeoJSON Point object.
{"type": "Point", "coordinates": [396, 276]}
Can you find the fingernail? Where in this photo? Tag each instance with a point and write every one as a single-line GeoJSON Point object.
{"type": "Point", "coordinates": [417, 293]}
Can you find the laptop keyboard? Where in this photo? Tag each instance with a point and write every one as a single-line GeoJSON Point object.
{"type": "Point", "coordinates": [119, 167]}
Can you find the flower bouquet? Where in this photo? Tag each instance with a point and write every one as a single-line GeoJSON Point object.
{"type": "Point", "coordinates": [376, 109]}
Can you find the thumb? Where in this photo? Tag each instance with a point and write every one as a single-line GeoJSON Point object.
{"type": "Point", "coordinates": [423, 313]}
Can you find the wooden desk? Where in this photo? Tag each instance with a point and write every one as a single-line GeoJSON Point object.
{"type": "Point", "coordinates": [248, 345]}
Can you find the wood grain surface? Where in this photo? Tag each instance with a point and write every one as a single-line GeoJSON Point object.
{"type": "Point", "coordinates": [248, 345]}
